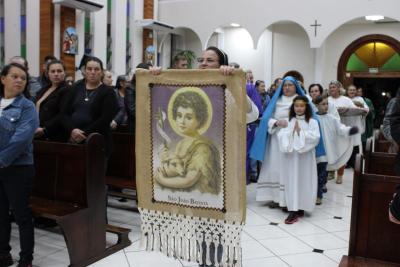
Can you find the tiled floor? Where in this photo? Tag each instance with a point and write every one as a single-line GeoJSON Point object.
{"type": "Point", "coordinates": [326, 228]}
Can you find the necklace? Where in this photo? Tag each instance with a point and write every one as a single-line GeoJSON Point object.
{"type": "Point", "coordinates": [89, 93]}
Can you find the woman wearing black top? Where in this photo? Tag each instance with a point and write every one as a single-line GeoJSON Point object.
{"type": "Point", "coordinates": [48, 103]}
{"type": "Point", "coordinates": [120, 90]}
{"type": "Point", "coordinates": [90, 106]}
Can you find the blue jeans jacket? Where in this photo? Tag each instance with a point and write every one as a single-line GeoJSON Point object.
{"type": "Point", "coordinates": [18, 123]}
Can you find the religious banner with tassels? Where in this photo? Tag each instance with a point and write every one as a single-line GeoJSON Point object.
{"type": "Point", "coordinates": [190, 163]}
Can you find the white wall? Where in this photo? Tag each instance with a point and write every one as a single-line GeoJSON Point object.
{"type": "Point", "coordinates": [166, 52]}
{"type": "Point", "coordinates": [213, 41]}
{"type": "Point", "coordinates": [238, 44]}
{"type": "Point", "coordinates": [284, 47]}
{"type": "Point", "coordinates": [33, 36]}
{"type": "Point", "coordinates": [291, 51]}
{"type": "Point", "coordinates": [280, 48]}
{"type": "Point", "coordinates": [80, 30]}
{"type": "Point", "coordinates": [136, 32]}
{"type": "Point", "coordinates": [337, 42]}
{"type": "Point", "coordinates": [204, 16]}
{"type": "Point", "coordinates": [12, 29]}
{"type": "Point", "coordinates": [193, 43]}
{"type": "Point", "coordinates": [189, 41]}
{"type": "Point", "coordinates": [118, 35]}
{"type": "Point", "coordinates": [99, 31]}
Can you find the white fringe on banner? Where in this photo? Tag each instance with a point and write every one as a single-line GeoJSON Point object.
{"type": "Point", "coordinates": [203, 240]}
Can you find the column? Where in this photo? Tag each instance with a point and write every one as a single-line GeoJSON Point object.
{"type": "Point", "coordinates": [33, 36]}
{"type": "Point", "coordinates": [80, 31]}
{"type": "Point", "coordinates": [148, 35]}
{"type": "Point", "coordinates": [12, 29]}
{"type": "Point", "coordinates": [118, 35]}
{"type": "Point", "coordinates": [57, 31]}
{"type": "Point", "coordinates": [136, 32]}
{"type": "Point", "coordinates": [156, 35]}
{"type": "Point", "coordinates": [267, 36]}
{"type": "Point", "coordinates": [319, 60]}
{"type": "Point", "coordinates": [99, 32]}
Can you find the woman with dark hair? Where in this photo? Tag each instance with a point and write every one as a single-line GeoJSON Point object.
{"type": "Point", "coordinates": [18, 122]}
{"type": "Point", "coordinates": [48, 102]}
{"type": "Point", "coordinates": [274, 86]}
{"type": "Point", "coordinates": [316, 90]}
{"type": "Point", "coordinates": [90, 106]}
{"type": "Point", "coordinates": [297, 142]}
{"type": "Point", "coordinates": [260, 86]}
{"type": "Point", "coordinates": [214, 58]}
{"type": "Point", "coordinates": [391, 131]}
{"type": "Point", "coordinates": [120, 90]}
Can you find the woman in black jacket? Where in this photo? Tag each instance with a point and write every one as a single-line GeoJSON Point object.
{"type": "Point", "coordinates": [391, 131]}
{"type": "Point", "coordinates": [48, 102]}
{"type": "Point", "coordinates": [90, 106]}
{"type": "Point", "coordinates": [130, 100]}
{"type": "Point", "coordinates": [120, 91]}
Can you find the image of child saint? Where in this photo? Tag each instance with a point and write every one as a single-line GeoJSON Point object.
{"type": "Point", "coordinates": [195, 162]}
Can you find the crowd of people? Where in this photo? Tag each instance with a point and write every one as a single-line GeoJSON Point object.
{"type": "Point", "coordinates": [316, 132]}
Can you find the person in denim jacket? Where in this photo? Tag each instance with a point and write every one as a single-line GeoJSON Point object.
{"type": "Point", "coordinates": [18, 122]}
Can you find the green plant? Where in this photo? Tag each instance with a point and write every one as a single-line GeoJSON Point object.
{"type": "Point", "coordinates": [189, 55]}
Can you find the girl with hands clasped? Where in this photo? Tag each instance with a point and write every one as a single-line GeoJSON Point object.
{"type": "Point", "coordinates": [297, 140]}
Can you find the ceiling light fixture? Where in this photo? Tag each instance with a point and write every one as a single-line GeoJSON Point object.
{"type": "Point", "coordinates": [235, 25]}
{"type": "Point", "coordinates": [374, 17]}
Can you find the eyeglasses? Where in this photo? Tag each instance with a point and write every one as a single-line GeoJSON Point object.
{"type": "Point", "coordinates": [206, 60]}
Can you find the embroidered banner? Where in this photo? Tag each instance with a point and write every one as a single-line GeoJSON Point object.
{"type": "Point", "coordinates": [190, 163]}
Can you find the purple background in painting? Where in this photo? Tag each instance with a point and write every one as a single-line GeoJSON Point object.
{"type": "Point", "coordinates": [160, 97]}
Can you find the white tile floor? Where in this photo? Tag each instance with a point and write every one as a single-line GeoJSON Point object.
{"type": "Point", "coordinates": [326, 228]}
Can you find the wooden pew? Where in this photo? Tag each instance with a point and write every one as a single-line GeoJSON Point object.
{"type": "Point", "coordinates": [380, 143]}
{"type": "Point", "coordinates": [348, 261]}
{"type": "Point", "coordinates": [121, 165]}
{"type": "Point", "coordinates": [373, 238]}
{"type": "Point", "coordinates": [69, 187]}
{"type": "Point", "coordinates": [378, 162]}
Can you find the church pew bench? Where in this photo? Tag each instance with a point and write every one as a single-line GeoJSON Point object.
{"type": "Point", "coordinates": [378, 162]}
{"type": "Point", "coordinates": [380, 143]}
{"type": "Point", "coordinates": [348, 261]}
{"type": "Point", "coordinates": [373, 237]}
{"type": "Point", "coordinates": [69, 187]}
{"type": "Point", "coordinates": [121, 165]}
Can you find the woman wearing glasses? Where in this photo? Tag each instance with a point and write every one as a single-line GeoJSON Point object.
{"type": "Point", "coordinates": [215, 58]}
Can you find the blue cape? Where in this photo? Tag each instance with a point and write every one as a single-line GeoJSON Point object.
{"type": "Point", "coordinates": [260, 143]}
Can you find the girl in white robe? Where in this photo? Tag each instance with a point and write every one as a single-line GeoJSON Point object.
{"type": "Point", "coordinates": [297, 142]}
{"type": "Point", "coordinates": [272, 180]}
